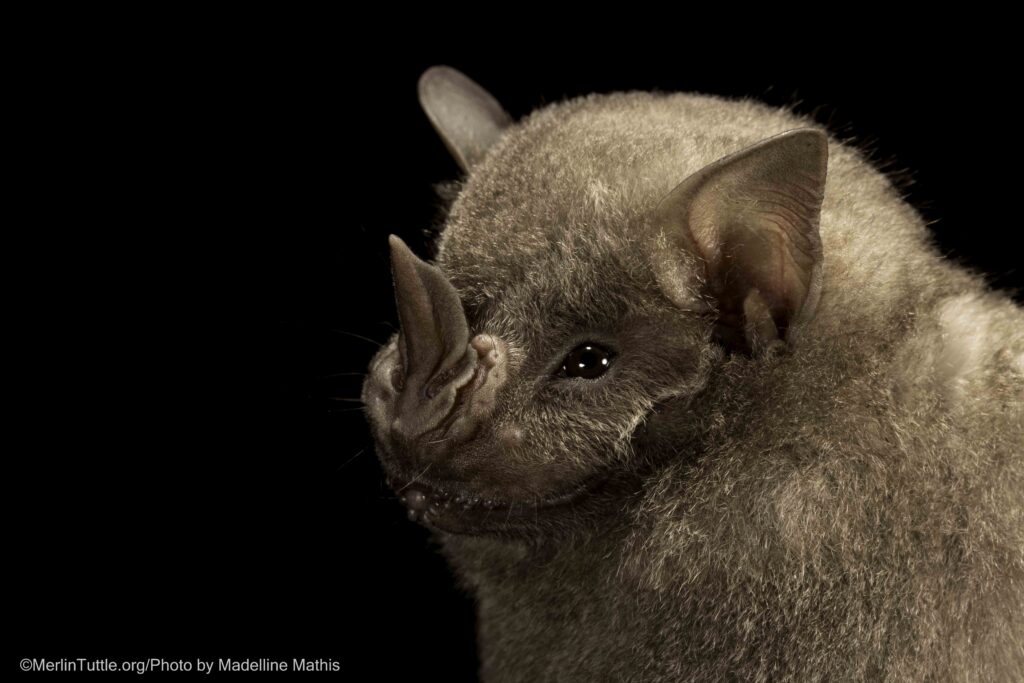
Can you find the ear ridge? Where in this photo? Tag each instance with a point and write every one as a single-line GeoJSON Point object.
{"type": "Point", "coordinates": [752, 218]}
{"type": "Point", "coordinates": [467, 117]}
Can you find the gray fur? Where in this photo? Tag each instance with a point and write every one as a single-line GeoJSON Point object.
{"type": "Point", "coordinates": [844, 507]}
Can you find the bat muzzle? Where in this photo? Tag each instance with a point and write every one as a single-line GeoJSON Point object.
{"type": "Point", "coordinates": [441, 383]}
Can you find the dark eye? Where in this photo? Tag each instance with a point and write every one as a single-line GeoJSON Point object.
{"type": "Point", "coordinates": [587, 361]}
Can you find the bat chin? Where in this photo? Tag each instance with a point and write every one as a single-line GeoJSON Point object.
{"type": "Point", "coordinates": [460, 512]}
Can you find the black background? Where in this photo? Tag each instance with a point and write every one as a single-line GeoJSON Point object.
{"type": "Point", "coordinates": [209, 253]}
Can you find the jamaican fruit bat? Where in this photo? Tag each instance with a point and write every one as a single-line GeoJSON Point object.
{"type": "Point", "coordinates": [688, 395]}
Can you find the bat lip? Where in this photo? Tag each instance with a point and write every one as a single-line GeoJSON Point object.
{"type": "Point", "coordinates": [468, 514]}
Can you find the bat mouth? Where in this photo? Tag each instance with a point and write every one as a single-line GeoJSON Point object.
{"type": "Point", "coordinates": [460, 512]}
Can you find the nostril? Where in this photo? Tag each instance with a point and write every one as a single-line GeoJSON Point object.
{"type": "Point", "coordinates": [398, 378]}
{"type": "Point", "coordinates": [439, 382]}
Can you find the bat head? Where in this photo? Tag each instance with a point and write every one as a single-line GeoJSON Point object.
{"type": "Point", "coordinates": [571, 299]}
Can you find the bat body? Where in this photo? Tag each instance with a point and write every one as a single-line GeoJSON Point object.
{"type": "Point", "coordinates": [689, 395]}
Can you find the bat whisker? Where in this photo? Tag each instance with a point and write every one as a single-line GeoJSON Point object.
{"type": "Point", "coordinates": [358, 336]}
{"type": "Point", "coordinates": [361, 451]}
{"type": "Point", "coordinates": [413, 480]}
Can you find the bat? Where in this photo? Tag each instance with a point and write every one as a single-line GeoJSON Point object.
{"type": "Point", "coordinates": [688, 394]}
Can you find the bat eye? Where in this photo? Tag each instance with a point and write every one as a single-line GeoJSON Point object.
{"type": "Point", "coordinates": [587, 361]}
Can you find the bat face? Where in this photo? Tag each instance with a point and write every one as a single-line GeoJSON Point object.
{"type": "Point", "coordinates": [575, 290]}
{"type": "Point", "coordinates": [515, 415]}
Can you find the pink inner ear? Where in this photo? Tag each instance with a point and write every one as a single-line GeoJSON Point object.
{"type": "Point", "coordinates": [753, 218]}
{"type": "Point", "coordinates": [767, 252]}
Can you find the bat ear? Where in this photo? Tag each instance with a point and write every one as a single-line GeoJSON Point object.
{"type": "Point", "coordinates": [752, 220]}
{"type": "Point", "coordinates": [467, 117]}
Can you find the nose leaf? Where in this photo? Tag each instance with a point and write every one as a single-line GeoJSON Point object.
{"type": "Point", "coordinates": [434, 330]}
{"type": "Point", "coordinates": [436, 355]}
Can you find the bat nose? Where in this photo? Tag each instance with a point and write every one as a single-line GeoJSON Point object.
{"type": "Point", "coordinates": [446, 381]}
{"type": "Point", "coordinates": [434, 330]}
